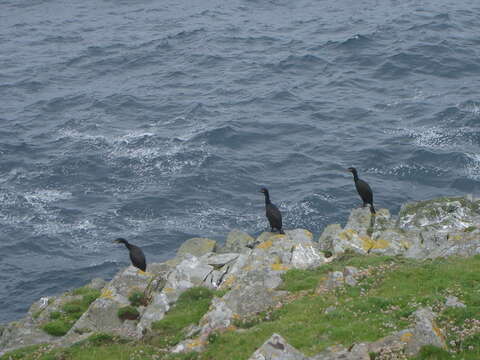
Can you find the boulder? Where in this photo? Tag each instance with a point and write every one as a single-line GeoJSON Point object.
{"type": "Point", "coordinates": [329, 236]}
{"type": "Point", "coordinates": [197, 247]}
{"type": "Point", "coordinates": [357, 352]}
{"type": "Point", "coordinates": [410, 341]}
{"type": "Point", "coordinates": [276, 348]}
{"type": "Point", "coordinates": [237, 242]}
{"type": "Point", "coordinates": [426, 332]}
{"type": "Point", "coordinates": [452, 301]}
{"type": "Point", "coordinates": [102, 316]}
{"type": "Point", "coordinates": [443, 214]}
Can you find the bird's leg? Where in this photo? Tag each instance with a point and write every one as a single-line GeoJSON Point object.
{"type": "Point", "coordinates": [272, 230]}
{"type": "Point", "coordinates": [364, 204]}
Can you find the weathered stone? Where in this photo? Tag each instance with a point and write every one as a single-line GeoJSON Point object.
{"type": "Point", "coordinates": [329, 236]}
{"type": "Point", "coordinates": [350, 271]}
{"type": "Point", "coordinates": [197, 247]}
{"type": "Point", "coordinates": [219, 260]}
{"type": "Point", "coordinates": [358, 352]}
{"type": "Point", "coordinates": [276, 348]}
{"type": "Point", "coordinates": [452, 301]}
{"type": "Point", "coordinates": [350, 280]}
{"type": "Point", "coordinates": [396, 341]}
{"type": "Point", "coordinates": [360, 220]}
{"type": "Point", "coordinates": [410, 341]}
{"type": "Point", "coordinates": [444, 214]}
{"type": "Point", "coordinates": [335, 279]}
{"type": "Point", "coordinates": [426, 332]}
{"type": "Point", "coordinates": [330, 309]}
{"type": "Point", "coordinates": [102, 316]}
{"type": "Point", "coordinates": [96, 283]}
{"type": "Point", "coordinates": [237, 242]}
{"type": "Point", "coordinates": [306, 257]}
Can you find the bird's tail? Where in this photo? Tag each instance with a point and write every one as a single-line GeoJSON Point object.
{"type": "Point", "coordinates": [372, 209]}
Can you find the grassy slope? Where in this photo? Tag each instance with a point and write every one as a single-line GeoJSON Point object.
{"type": "Point", "coordinates": [378, 306]}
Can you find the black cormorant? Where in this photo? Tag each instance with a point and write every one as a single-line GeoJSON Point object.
{"type": "Point", "coordinates": [273, 214]}
{"type": "Point", "coordinates": [363, 189]}
{"type": "Point", "coordinates": [136, 254]}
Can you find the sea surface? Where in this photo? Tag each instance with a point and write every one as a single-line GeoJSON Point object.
{"type": "Point", "coordinates": [159, 121]}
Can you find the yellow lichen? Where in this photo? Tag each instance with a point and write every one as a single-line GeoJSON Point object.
{"type": "Point", "coordinates": [437, 331]}
{"type": "Point", "coordinates": [265, 245]}
{"type": "Point", "coordinates": [406, 337]}
{"type": "Point", "coordinates": [168, 290]}
{"type": "Point", "coordinates": [194, 343]}
{"type": "Point", "coordinates": [229, 281]}
{"type": "Point", "coordinates": [347, 234]}
{"type": "Point", "coordinates": [308, 233]}
{"type": "Point", "coordinates": [106, 294]}
{"type": "Point", "coordinates": [279, 267]}
{"type": "Point", "coordinates": [406, 244]}
{"type": "Point", "coordinates": [236, 316]}
{"type": "Point", "coordinates": [369, 244]}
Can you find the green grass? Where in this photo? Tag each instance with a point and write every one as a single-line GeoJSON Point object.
{"type": "Point", "coordinates": [128, 313]}
{"type": "Point", "coordinates": [138, 298]}
{"type": "Point", "coordinates": [189, 309]}
{"type": "Point", "coordinates": [70, 312]}
{"type": "Point", "coordinates": [380, 304]}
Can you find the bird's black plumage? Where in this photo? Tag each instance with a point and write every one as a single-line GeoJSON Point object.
{"type": "Point", "coordinates": [363, 190]}
{"type": "Point", "coordinates": [136, 254]}
{"type": "Point", "coordinates": [274, 215]}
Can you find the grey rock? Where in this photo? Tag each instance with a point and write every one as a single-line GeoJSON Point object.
{"type": "Point", "coordinates": [443, 214]}
{"type": "Point", "coordinates": [426, 332]}
{"type": "Point", "coordinates": [396, 341]}
{"type": "Point", "coordinates": [276, 348]}
{"type": "Point", "coordinates": [360, 220]}
{"type": "Point", "coordinates": [329, 236]}
{"type": "Point", "coordinates": [452, 301]}
{"type": "Point", "coordinates": [350, 271]}
{"type": "Point", "coordinates": [96, 283]}
{"type": "Point", "coordinates": [197, 247]}
{"type": "Point", "coordinates": [350, 280]}
{"type": "Point", "coordinates": [357, 352]}
{"type": "Point", "coordinates": [335, 279]}
{"type": "Point", "coordinates": [237, 242]}
{"type": "Point", "coordinates": [102, 316]}
{"type": "Point", "coordinates": [330, 309]}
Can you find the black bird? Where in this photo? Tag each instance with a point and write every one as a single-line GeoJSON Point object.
{"type": "Point", "coordinates": [273, 214]}
{"type": "Point", "coordinates": [363, 189]}
{"type": "Point", "coordinates": [136, 254]}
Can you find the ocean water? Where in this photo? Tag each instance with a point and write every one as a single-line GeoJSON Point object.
{"type": "Point", "coordinates": [158, 121]}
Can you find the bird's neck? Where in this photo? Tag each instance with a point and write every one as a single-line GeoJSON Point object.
{"type": "Point", "coordinates": [355, 177]}
{"type": "Point", "coordinates": [267, 199]}
{"type": "Point", "coordinates": [128, 245]}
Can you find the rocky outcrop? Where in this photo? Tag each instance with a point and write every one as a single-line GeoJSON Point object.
{"type": "Point", "coordinates": [425, 229]}
{"type": "Point", "coordinates": [250, 271]}
{"type": "Point", "coordinates": [28, 331]}
{"type": "Point", "coordinates": [276, 348]}
{"type": "Point", "coordinates": [410, 341]}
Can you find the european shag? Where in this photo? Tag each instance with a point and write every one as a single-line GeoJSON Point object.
{"type": "Point", "coordinates": [363, 189]}
{"type": "Point", "coordinates": [136, 254]}
{"type": "Point", "coordinates": [273, 214]}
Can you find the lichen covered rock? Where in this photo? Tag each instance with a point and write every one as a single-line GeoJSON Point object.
{"type": "Point", "coordinates": [276, 348]}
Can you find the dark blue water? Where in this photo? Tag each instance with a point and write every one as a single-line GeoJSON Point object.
{"type": "Point", "coordinates": [159, 120]}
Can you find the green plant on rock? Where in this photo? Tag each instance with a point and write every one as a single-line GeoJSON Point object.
{"type": "Point", "coordinates": [189, 309]}
{"type": "Point", "coordinates": [138, 298]}
{"type": "Point", "coordinates": [128, 313]}
{"type": "Point", "coordinates": [70, 312]}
